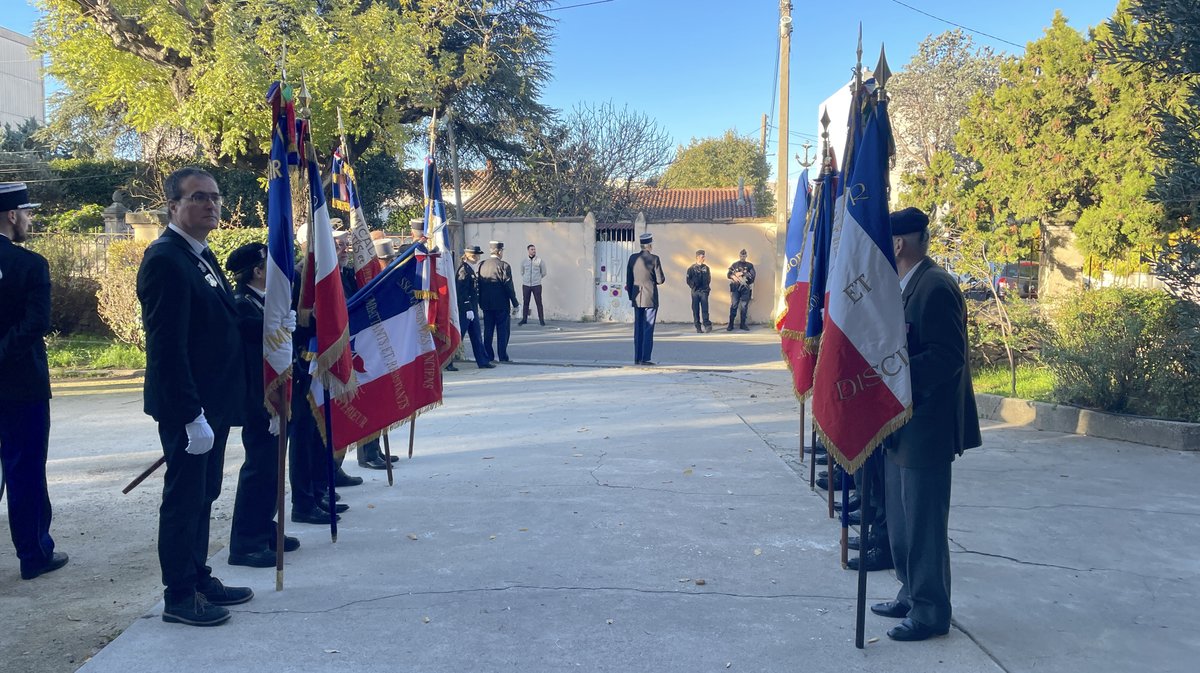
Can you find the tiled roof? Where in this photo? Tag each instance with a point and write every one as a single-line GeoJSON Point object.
{"type": "Point", "coordinates": [695, 205]}
{"type": "Point", "coordinates": [659, 205]}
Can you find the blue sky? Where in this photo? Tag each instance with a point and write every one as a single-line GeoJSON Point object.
{"type": "Point", "coordinates": [699, 67]}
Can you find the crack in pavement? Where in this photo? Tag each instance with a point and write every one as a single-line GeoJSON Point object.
{"type": "Point", "coordinates": [535, 587]}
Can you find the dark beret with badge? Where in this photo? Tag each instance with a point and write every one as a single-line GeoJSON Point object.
{"type": "Point", "coordinates": [908, 221]}
{"type": "Point", "coordinates": [245, 258]}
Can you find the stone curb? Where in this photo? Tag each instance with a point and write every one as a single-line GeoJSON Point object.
{"type": "Point", "coordinates": [1074, 420]}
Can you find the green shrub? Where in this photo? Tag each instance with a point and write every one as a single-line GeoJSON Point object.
{"type": "Point", "coordinates": [224, 241]}
{"type": "Point", "coordinates": [986, 338]}
{"type": "Point", "coordinates": [1127, 351]}
{"type": "Point", "coordinates": [89, 218]}
{"type": "Point", "coordinates": [119, 306]}
{"type": "Point", "coordinates": [73, 305]}
{"type": "Point", "coordinates": [92, 352]}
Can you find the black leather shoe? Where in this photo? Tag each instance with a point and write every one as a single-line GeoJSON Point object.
{"type": "Point", "coordinates": [289, 544]}
{"type": "Point", "coordinates": [194, 611]}
{"type": "Point", "coordinates": [708, 328]}
{"type": "Point", "coordinates": [910, 631]}
{"type": "Point", "coordinates": [877, 559]}
{"type": "Point", "coordinates": [373, 463]}
{"type": "Point", "coordinates": [822, 459]}
{"type": "Point", "coordinates": [744, 328]}
{"type": "Point", "coordinates": [855, 503]}
{"type": "Point", "coordinates": [505, 359]}
{"type": "Point", "coordinates": [729, 329]}
{"type": "Point", "coordinates": [324, 504]}
{"type": "Point", "coordinates": [254, 559]}
{"type": "Point", "coordinates": [522, 322]}
{"type": "Point", "coordinates": [315, 515]}
{"type": "Point", "coordinates": [343, 480]}
{"type": "Point", "coordinates": [854, 519]}
{"type": "Point", "coordinates": [648, 363]}
{"type": "Point", "coordinates": [853, 543]}
{"type": "Point", "coordinates": [451, 368]}
{"type": "Point", "coordinates": [542, 323]}
{"type": "Point", "coordinates": [487, 365]}
{"type": "Point", "coordinates": [57, 560]}
{"type": "Point", "coordinates": [218, 594]}
{"type": "Point", "coordinates": [892, 609]}
{"type": "Point", "coordinates": [395, 459]}
{"type": "Point", "coordinates": [698, 330]}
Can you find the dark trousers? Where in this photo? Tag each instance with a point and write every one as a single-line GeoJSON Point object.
{"type": "Point", "coordinates": [643, 333]}
{"type": "Point", "coordinates": [258, 483]}
{"type": "Point", "coordinates": [471, 329]}
{"type": "Point", "coordinates": [191, 485]}
{"type": "Point", "coordinates": [700, 308]}
{"type": "Point", "coordinates": [918, 507]}
{"type": "Point", "coordinates": [24, 442]}
{"type": "Point", "coordinates": [876, 504]}
{"type": "Point", "coordinates": [307, 461]}
{"type": "Point", "coordinates": [536, 291]}
{"type": "Point", "coordinates": [496, 321]}
{"type": "Point", "coordinates": [739, 299]}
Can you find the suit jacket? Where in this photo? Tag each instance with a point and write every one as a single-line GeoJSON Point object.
{"type": "Point", "coordinates": [250, 326]}
{"type": "Point", "coordinates": [944, 421]}
{"type": "Point", "coordinates": [466, 287]}
{"type": "Point", "coordinates": [496, 289]}
{"type": "Point", "coordinates": [643, 275]}
{"type": "Point", "coordinates": [24, 322]}
{"type": "Point", "coordinates": [193, 347]}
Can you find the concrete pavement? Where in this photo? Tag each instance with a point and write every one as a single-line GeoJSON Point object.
{"type": "Point", "coordinates": [598, 517]}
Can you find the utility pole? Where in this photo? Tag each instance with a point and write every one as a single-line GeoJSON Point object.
{"type": "Point", "coordinates": [781, 167]}
{"type": "Point", "coordinates": [762, 138]}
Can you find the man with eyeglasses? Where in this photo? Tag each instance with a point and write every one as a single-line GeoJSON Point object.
{"type": "Point", "coordinates": [194, 389]}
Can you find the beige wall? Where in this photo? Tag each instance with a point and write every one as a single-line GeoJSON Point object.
{"type": "Point", "coordinates": [568, 247]}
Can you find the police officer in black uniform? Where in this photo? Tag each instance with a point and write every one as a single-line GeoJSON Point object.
{"type": "Point", "coordinates": [741, 289]}
{"type": "Point", "coordinates": [699, 279]}
{"type": "Point", "coordinates": [466, 286]}
{"type": "Point", "coordinates": [25, 385]}
{"type": "Point", "coordinates": [252, 535]}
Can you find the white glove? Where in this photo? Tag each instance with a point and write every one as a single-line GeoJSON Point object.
{"type": "Point", "coordinates": [289, 323]}
{"type": "Point", "coordinates": [273, 428]}
{"type": "Point", "coordinates": [470, 315]}
{"type": "Point", "coordinates": [200, 436]}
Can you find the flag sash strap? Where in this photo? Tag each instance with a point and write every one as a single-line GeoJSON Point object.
{"type": "Point", "coordinates": [862, 387]}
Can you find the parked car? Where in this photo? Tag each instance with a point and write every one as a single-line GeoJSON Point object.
{"type": "Point", "coordinates": [1019, 279]}
{"type": "Point", "coordinates": [975, 288]}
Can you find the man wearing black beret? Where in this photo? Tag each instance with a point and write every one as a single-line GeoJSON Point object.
{"type": "Point", "coordinates": [252, 534]}
{"type": "Point", "coordinates": [25, 385]}
{"type": "Point", "coordinates": [944, 423]}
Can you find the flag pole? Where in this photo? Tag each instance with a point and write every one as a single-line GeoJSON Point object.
{"type": "Point", "coordinates": [845, 518]}
{"type": "Point", "coordinates": [333, 517]}
{"type": "Point", "coordinates": [387, 458]}
{"type": "Point", "coordinates": [281, 474]}
{"type": "Point", "coordinates": [412, 429]}
{"type": "Point", "coordinates": [864, 537]}
{"type": "Point", "coordinates": [145, 473]}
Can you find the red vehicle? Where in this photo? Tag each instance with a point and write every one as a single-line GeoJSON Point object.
{"type": "Point", "coordinates": [1019, 279]}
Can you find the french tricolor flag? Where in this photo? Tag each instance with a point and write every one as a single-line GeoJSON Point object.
{"type": "Point", "coordinates": [395, 358]}
{"type": "Point", "coordinates": [862, 389]}
{"type": "Point", "coordinates": [331, 363]}
{"type": "Point", "coordinates": [797, 272]}
{"type": "Point", "coordinates": [277, 304]}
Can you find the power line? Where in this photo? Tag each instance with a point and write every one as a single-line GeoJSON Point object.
{"type": "Point", "coordinates": [582, 4]}
{"type": "Point", "coordinates": [958, 25]}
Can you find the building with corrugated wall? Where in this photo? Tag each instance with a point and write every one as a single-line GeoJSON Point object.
{"type": "Point", "coordinates": [22, 90]}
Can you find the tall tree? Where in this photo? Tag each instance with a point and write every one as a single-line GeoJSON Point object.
{"type": "Point", "coordinates": [932, 93]}
{"type": "Point", "coordinates": [721, 162]}
{"type": "Point", "coordinates": [593, 160]}
{"type": "Point", "coordinates": [1162, 38]}
{"type": "Point", "coordinates": [201, 67]}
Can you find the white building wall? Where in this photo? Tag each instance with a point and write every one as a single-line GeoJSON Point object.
{"type": "Point", "coordinates": [22, 91]}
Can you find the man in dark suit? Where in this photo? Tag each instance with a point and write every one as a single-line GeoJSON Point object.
{"type": "Point", "coordinates": [195, 385]}
{"type": "Point", "coordinates": [252, 535]}
{"type": "Point", "coordinates": [466, 287]}
{"type": "Point", "coordinates": [496, 293]}
{"type": "Point", "coordinates": [25, 386]}
{"type": "Point", "coordinates": [643, 275]}
{"type": "Point", "coordinates": [944, 423]}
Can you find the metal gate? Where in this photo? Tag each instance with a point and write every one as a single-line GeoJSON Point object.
{"type": "Point", "coordinates": [613, 248]}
